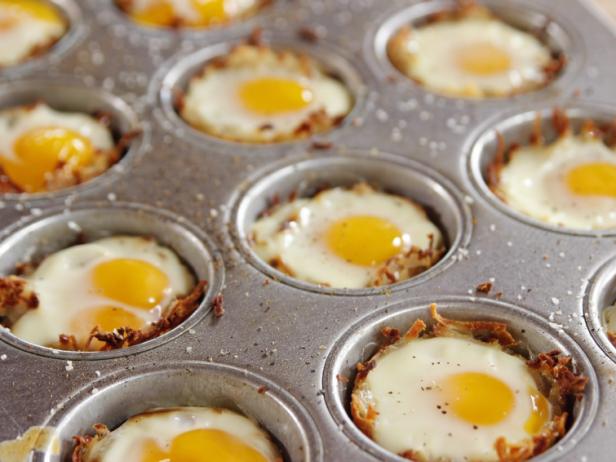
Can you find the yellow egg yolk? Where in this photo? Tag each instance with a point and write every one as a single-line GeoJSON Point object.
{"type": "Point", "coordinates": [594, 179]}
{"type": "Point", "coordinates": [483, 59]}
{"type": "Point", "coordinates": [37, 9]}
{"type": "Point", "coordinates": [156, 13]}
{"type": "Point", "coordinates": [364, 240]}
{"type": "Point", "coordinates": [202, 445]}
{"type": "Point", "coordinates": [105, 318]}
{"type": "Point", "coordinates": [133, 282]}
{"type": "Point", "coordinates": [210, 11]}
{"type": "Point", "coordinates": [273, 95]}
{"type": "Point", "coordinates": [162, 13]}
{"type": "Point", "coordinates": [40, 151]}
{"type": "Point", "coordinates": [540, 412]}
{"type": "Point", "coordinates": [478, 398]}
{"type": "Point", "coordinates": [481, 399]}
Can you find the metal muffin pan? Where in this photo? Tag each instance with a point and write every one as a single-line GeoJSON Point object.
{"type": "Point", "coordinates": [123, 394]}
{"type": "Point", "coordinates": [284, 333]}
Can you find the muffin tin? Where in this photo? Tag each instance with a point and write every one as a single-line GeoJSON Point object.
{"type": "Point", "coordinates": [276, 351]}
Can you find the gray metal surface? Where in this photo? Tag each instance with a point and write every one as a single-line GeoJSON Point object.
{"type": "Point", "coordinates": [292, 338]}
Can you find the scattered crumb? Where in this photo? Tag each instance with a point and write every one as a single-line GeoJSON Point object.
{"type": "Point", "coordinates": [218, 306]}
{"type": "Point", "coordinates": [321, 145]}
{"type": "Point", "coordinates": [484, 288]}
{"type": "Point", "coordinates": [308, 34]}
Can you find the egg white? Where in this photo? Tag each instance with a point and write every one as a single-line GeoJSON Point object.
{"type": "Point", "coordinates": [212, 103]}
{"type": "Point", "coordinates": [609, 319]}
{"type": "Point", "coordinates": [163, 425]}
{"type": "Point", "coordinates": [26, 35]}
{"type": "Point", "coordinates": [301, 247]}
{"type": "Point", "coordinates": [431, 53]}
{"type": "Point", "coordinates": [403, 389]}
{"type": "Point", "coordinates": [14, 122]}
{"type": "Point", "coordinates": [533, 182]}
{"type": "Point", "coordinates": [62, 284]}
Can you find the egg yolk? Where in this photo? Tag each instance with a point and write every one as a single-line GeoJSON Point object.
{"type": "Point", "coordinates": [162, 13]}
{"type": "Point", "coordinates": [40, 151]}
{"type": "Point", "coordinates": [478, 398]}
{"type": "Point", "coordinates": [36, 9]}
{"type": "Point", "coordinates": [202, 445]}
{"type": "Point", "coordinates": [364, 240]}
{"type": "Point", "coordinates": [483, 59]}
{"type": "Point", "coordinates": [273, 95]}
{"type": "Point", "coordinates": [540, 412]}
{"type": "Point", "coordinates": [210, 11]}
{"type": "Point", "coordinates": [156, 13]}
{"type": "Point", "coordinates": [481, 399]}
{"type": "Point", "coordinates": [106, 318]}
{"type": "Point", "coordinates": [134, 282]}
{"type": "Point", "coordinates": [594, 179]}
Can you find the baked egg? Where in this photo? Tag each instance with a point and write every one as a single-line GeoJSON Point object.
{"type": "Point", "coordinates": [348, 238]}
{"type": "Point", "coordinates": [105, 294]}
{"type": "Point", "coordinates": [28, 28]}
{"type": "Point", "coordinates": [568, 182]}
{"type": "Point", "coordinates": [470, 52]}
{"type": "Point", "coordinates": [189, 13]}
{"type": "Point", "coordinates": [459, 391]}
{"type": "Point", "coordinates": [259, 95]}
{"type": "Point", "coordinates": [42, 149]}
{"type": "Point", "coordinates": [188, 434]}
